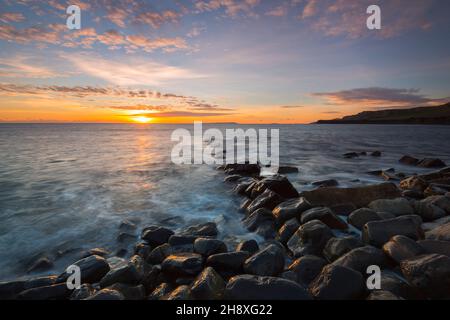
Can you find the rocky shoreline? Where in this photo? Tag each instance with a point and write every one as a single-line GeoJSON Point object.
{"type": "Point", "coordinates": [317, 245]}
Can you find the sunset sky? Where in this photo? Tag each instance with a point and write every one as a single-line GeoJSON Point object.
{"type": "Point", "coordinates": [248, 61]}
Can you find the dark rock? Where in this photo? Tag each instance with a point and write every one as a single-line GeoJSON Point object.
{"type": "Point", "coordinates": [209, 285]}
{"type": "Point", "coordinates": [208, 229]}
{"type": "Point", "coordinates": [290, 209]}
{"type": "Point", "coordinates": [85, 291]}
{"type": "Point", "coordinates": [156, 236]}
{"type": "Point", "coordinates": [337, 247]}
{"type": "Point", "coordinates": [10, 290]}
{"type": "Point", "coordinates": [435, 246]}
{"type": "Point", "coordinates": [267, 200]}
{"type": "Point", "coordinates": [182, 264]}
{"type": "Point", "coordinates": [338, 283]}
{"type": "Point", "coordinates": [257, 218]}
{"type": "Point", "coordinates": [107, 294]}
{"type": "Point", "coordinates": [131, 273]}
{"type": "Point", "coordinates": [326, 183]}
{"type": "Point", "coordinates": [360, 217]}
{"type": "Point", "coordinates": [250, 246]}
{"type": "Point", "coordinates": [397, 285]}
{"type": "Point", "coordinates": [389, 176]}
{"type": "Point", "coordinates": [249, 287]}
{"type": "Point", "coordinates": [182, 240]}
{"type": "Point", "coordinates": [160, 253]}
{"type": "Point", "coordinates": [435, 189]}
{"type": "Point", "coordinates": [230, 262]}
{"type": "Point", "coordinates": [266, 230]}
{"type": "Point", "coordinates": [244, 205]}
{"type": "Point", "coordinates": [129, 292]}
{"type": "Point", "coordinates": [376, 154]}
{"type": "Point", "coordinates": [287, 230]}
{"type": "Point", "coordinates": [440, 233]}
{"type": "Point", "coordinates": [53, 292]}
{"type": "Point", "coordinates": [207, 247]}
{"type": "Point", "coordinates": [92, 268]}
{"type": "Point", "coordinates": [232, 178]}
{"type": "Point", "coordinates": [277, 184]}
{"type": "Point", "coordinates": [246, 169]}
{"type": "Point", "coordinates": [306, 269]}
{"type": "Point", "coordinates": [162, 290]}
{"type": "Point", "coordinates": [310, 238]}
{"type": "Point", "coordinates": [428, 208]}
{"type": "Point", "coordinates": [287, 170]}
{"type": "Point", "coordinates": [413, 194]}
{"type": "Point", "coordinates": [414, 183]}
{"type": "Point", "coordinates": [431, 163]}
{"type": "Point", "coordinates": [401, 248]}
{"type": "Point", "coordinates": [408, 160]}
{"type": "Point", "coordinates": [377, 233]}
{"type": "Point", "coordinates": [398, 207]}
{"type": "Point", "coordinates": [383, 296]}
{"type": "Point", "coordinates": [42, 264]}
{"type": "Point", "coordinates": [360, 258]}
{"type": "Point", "coordinates": [351, 155]}
{"type": "Point", "coordinates": [142, 249]}
{"type": "Point", "coordinates": [267, 262]}
{"type": "Point", "coordinates": [343, 209]}
{"type": "Point", "coordinates": [326, 216]}
{"type": "Point", "coordinates": [182, 293]}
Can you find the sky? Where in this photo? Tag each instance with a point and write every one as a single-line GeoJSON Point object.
{"type": "Point", "coordinates": [246, 61]}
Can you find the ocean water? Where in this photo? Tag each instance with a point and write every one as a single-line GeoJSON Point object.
{"type": "Point", "coordinates": [66, 188]}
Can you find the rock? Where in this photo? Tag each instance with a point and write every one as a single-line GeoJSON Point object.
{"type": "Point", "coordinates": [250, 246]}
{"type": "Point", "coordinates": [436, 223]}
{"type": "Point", "coordinates": [387, 215]}
{"type": "Point", "coordinates": [383, 296]}
{"type": "Point", "coordinates": [401, 248]}
{"type": "Point", "coordinates": [229, 262]}
{"type": "Point", "coordinates": [398, 207]}
{"type": "Point", "coordinates": [182, 293]}
{"type": "Point", "coordinates": [128, 291]}
{"type": "Point", "coordinates": [182, 240]}
{"type": "Point", "coordinates": [182, 264]}
{"type": "Point", "coordinates": [42, 264]}
{"type": "Point", "coordinates": [326, 216]}
{"type": "Point", "coordinates": [246, 169]}
{"type": "Point", "coordinates": [430, 274]}
{"type": "Point", "coordinates": [258, 217]}
{"type": "Point", "coordinates": [232, 178]}
{"type": "Point", "coordinates": [338, 283]}
{"type": "Point", "coordinates": [85, 291]}
{"type": "Point", "coordinates": [266, 230]}
{"type": "Point", "coordinates": [431, 163]}
{"type": "Point", "coordinates": [377, 233]}
{"type": "Point", "coordinates": [267, 200]}
{"type": "Point", "coordinates": [435, 246]}
{"type": "Point", "coordinates": [442, 202]}
{"type": "Point", "coordinates": [142, 249]}
{"type": "Point", "coordinates": [408, 160]}
{"type": "Point", "coordinates": [360, 217]}
{"type": "Point", "coordinates": [351, 155]}
{"type": "Point", "coordinates": [53, 292]}
{"type": "Point", "coordinates": [287, 230]}
{"type": "Point", "coordinates": [127, 226]}
{"type": "Point", "coordinates": [160, 253]}
{"type": "Point", "coordinates": [290, 209]}
{"type": "Point", "coordinates": [397, 285]}
{"type": "Point", "coordinates": [435, 189]}
{"type": "Point", "coordinates": [249, 287]}
{"type": "Point", "coordinates": [343, 209]}
{"type": "Point", "coordinates": [277, 184]}
{"type": "Point", "coordinates": [156, 236]}
{"type": "Point", "coordinates": [241, 187]}
{"type": "Point", "coordinates": [10, 290]}
{"type": "Point", "coordinates": [267, 262]}
{"type": "Point", "coordinates": [360, 196]}
{"type": "Point", "coordinates": [92, 268]}
{"type": "Point", "coordinates": [244, 205]}
{"type": "Point", "coordinates": [162, 290]}
{"type": "Point", "coordinates": [360, 258]}
{"type": "Point", "coordinates": [209, 285]}
{"type": "Point", "coordinates": [207, 247]}
{"type": "Point", "coordinates": [208, 229]}
{"type": "Point", "coordinates": [326, 183]}
{"type": "Point", "coordinates": [287, 170]}
{"type": "Point", "coordinates": [389, 176]}
{"type": "Point", "coordinates": [306, 269]}
{"type": "Point", "coordinates": [131, 273]}
{"type": "Point", "coordinates": [413, 183]}
{"type": "Point", "coordinates": [413, 194]}
{"type": "Point", "coordinates": [106, 294]}
{"type": "Point", "coordinates": [440, 233]}
{"type": "Point", "coordinates": [376, 154]}
{"type": "Point", "coordinates": [337, 247]}
{"type": "Point", "coordinates": [310, 238]}
{"type": "Point", "coordinates": [428, 210]}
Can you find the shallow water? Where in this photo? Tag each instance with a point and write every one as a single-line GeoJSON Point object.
{"type": "Point", "coordinates": [65, 188]}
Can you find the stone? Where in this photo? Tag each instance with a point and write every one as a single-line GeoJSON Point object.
{"type": "Point", "coordinates": [143, 249]}
{"type": "Point", "coordinates": [435, 246]}
{"type": "Point", "coordinates": [398, 206]}
{"type": "Point", "coordinates": [160, 253]}
{"type": "Point", "coordinates": [428, 226]}
{"type": "Point", "coordinates": [431, 163]}
{"type": "Point", "coordinates": [350, 155]}
{"type": "Point", "coordinates": [306, 269]}
{"type": "Point", "coordinates": [430, 274]}
{"type": "Point", "coordinates": [162, 290]}
{"type": "Point", "coordinates": [376, 154]}
{"type": "Point", "coordinates": [287, 230]}
{"type": "Point", "coordinates": [388, 176]}
{"type": "Point", "coordinates": [428, 210]}
{"type": "Point", "coordinates": [326, 183]}
{"type": "Point", "coordinates": [106, 294]}
{"type": "Point", "coordinates": [131, 273]}
{"type": "Point", "coordinates": [360, 217]}
{"type": "Point", "coordinates": [207, 247]}
{"type": "Point", "coordinates": [435, 189]}
{"type": "Point", "coordinates": [326, 216]}
{"type": "Point", "coordinates": [245, 169]}
{"type": "Point", "coordinates": [383, 296]}
{"type": "Point", "coordinates": [290, 209]}
{"type": "Point", "coordinates": [250, 287]}
{"type": "Point", "coordinates": [343, 209]}
{"type": "Point", "coordinates": [182, 264]}
{"type": "Point", "coordinates": [401, 248]}
{"type": "Point", "coordinates": [338, 283]}
{"type": "Point", "coordinates": [250, 246]}
{"type": "Point", "coordinates": [359, 196]}
{"type": "Point", "coordinates": [337, 247]}
{"type": "Point", "coordinates": [310, 238]}
{"type": "Point", "coordinates": [156, 236]}
{"type": "Point", "coordinates": [209, 285]}
{"type": "Point", "coordinates": [182, 293]}
{"type": "Point", "coordinates": [92, 268]}
{"type": "Point", "coordinates": [267, 262]}
{"type": "Point", "coordinates": [232, 178]}
{"type": "Point", "coordinates": [9, 290]}
{"type": "Point", "coordinates": [85, 291]}
{"type": "Point", "coordinates": [413, 183]}
{"type": "Point", "coordinates": [278, 184]}
{"type": "Point", "coordinates": [360, 258]}
{"type": "Point", "coordinates": [267, 200]}
{"type": "Point", "coordinates": [408, 160]}
{"type": "Point", "coordinates": [266, 230]}
{"type": "Point", "coordinates": [377, 233]}
{"type": "Point", "coordinates": [287, 170]}
{"type": "Point", "coordinates": [442, 202]}
{"type": "Point", "coordinates": [229, 262]}
{"type": "Point", "coordinates": [42, 264]}
{"type": "Point", "coordinates": [182, 240]}
{"type": "Point", "coordinates": [241, 187]}
{"type": "Point", "coordinates": [440, 233]}
{"type": "Point", "coordinates": [208, 229]}
{"type": "Point", "coordinates": [128, 291]}
{"type": "Point", "coordinates": [257, 218]}
{"type": "Point", "coordinates": [53, 292]}
{"type": "Point", "coordinates": [413, 194]}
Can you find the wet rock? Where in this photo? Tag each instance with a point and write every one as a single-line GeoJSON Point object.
{"type": "Point", "coordinates": [246, 169]}
{"type": "Point", "coordinates": [430, 274]}
{"type": "Point", "coordinates": [182, 264]}
{"type": "Point", "coordinates": [306, 269]}
{"type": "Point", "coordinates": [397, 285]}
{"type": "Point", "coordinates": [383, 296]}
{"type": "Point", "coordinates": [376, 154]}
{"type": "Point", "coordinates": [102, 252]}
{"type": "Point", "coordinates": [431, 163]}
{"type": "Point", "coordinates": [131, 273]}
{"type": "Point", "coordinates": [350, 155]}
{"type": "Point", "coordinates": [42, 264]}
{"type": "Point", "coordinates": [266, 230]}
{"type": "Point", "coordinates": [326, 216]}
{"type": "Point", "coordinates": [337, 247]}
{"type": "Point", "coordinates": [401, 248]}
{"type": "Point", "coordinates": [360, 217]}
{"type": "Point", "coordinates": [208, 229]}
{"type": "Point", "coordinates": [326, 183]}
{"type": "Point", "coordinates": [85, 291]}
{"type": "Point", "coordinates": [428, 226]}
{"type": "Point", "coordinates": [162, 290]}
{"type": "Point", "coordinates": [377, 233]}
{"type": "Point", "coordinates": [207, 247]}
{"type": "Point", "coordinates": [397, 207]}
{"type": "Point", "coordinates": [408, 160]}
{"type": "Point", "coordinates": [267, 262]}
{"type": "Point", "coordinates": [389, 176]}
{"type": "Point", "coordinates": [182, 293]}
{"type": "Point", "coordinates": [360, 196]}
{"type": "Point", "coordinates": [267, 200]}
{"type": "Point", "coordinates": [287, 230]}
{"type": "Point", "coordinates": [241, 187]}
{"type": "Point", "coordinates": [428, 210]}
{"type": "Point", "coordinates": [160, 253]}
{"type": "Point", "coordinates": [338, 283]}
{"type": "Point", "coordinates": [413, 194]}
{"type": "Point", "coordinates": [290, 209]}
{"type": "Point", "coordinates": [277, 184]}
{"type": "Point", "coordinates": [442, 202]}
{"type": "Point", "coordinates": [156, 236]}
{"type": "Point", "coordinates": [257, 218]}
{"type": "Point", "coordinates": [360, 258]}
{"type": "Point", "coordinates": [440, 233]}
{"type": "Point", "coordinates": [107, 295]}
{"type": "Point", "coordinates": [231, 262]}
{"type": "Point", "coordinates": [244, 205]}
{"type": "Point", "coordinates": [128, 291]}
{"type": "Point", "coordinates": [250, 246]}
{"type": "Point", "coordinates": [310, 238]}
{"type": "Point", "coordinates": [249, 287]}
{"type": "Point", "coordinates": [209, 285]}
{"type": "Point", "coordinates": [343, 209]}
{"type": "Point", "coordinates": [52, 292]}
{"type": "Point", "coordinates": [232, 178]}
{"type": "Point", "coordinates": [435, 189]}
{"type": "Point", "coordinates": [143, 250]}
{"type": "Point", "coordinates": [435, 246]}
{"type": "Point", "coordinates": [182, 240]}
{"type": "Point", "coordinates": [287, 170]}
{"type": "Point", "coordinates": [413, 183]}
{"type": "Point", "coordinates": [92, 268]}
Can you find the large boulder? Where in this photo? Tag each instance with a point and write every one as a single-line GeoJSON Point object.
{"type": "Point", "coordinates": [249, 287]}
{"type": "Point", "coordinates": [157, 255]}
{"type": "Point", "coordinates": [287, 230]}
{"type": "Point", "coordinates": [360, 217]}
{"type": "Point", "coordinates": [408, 160]}
{"type": "Point", "coordinates": [258, 218]}
{"type": "Point", "coordinates": [207, 247]}
{"type": "Point", "coordinates": [338, 283]}
{"type": "Point", "coordinates": [431, 163]}
{"type": "Point", "coordinates": [306, 269]}
{"type": "Point", "coordinates": [326, 216]}
{"type": "Point", "coordinates": [360, 196]}
{"type": "Point", "coordinates": [209, 285]}
{"type": "Point", "coordinates": [429, 209]}
{"type": "Point", "coordinates": [182, 264]}
{"type": "Point", "coordinates": [377, 233]}
{"type": "Point", "coordinates": [290, 209]}
{"type": "Point", "coordinates": [182, 293]}
{"type": "Point", "coordinates": [92, 269]}
{"type": "Point", "coordinates": [131, 273]}
{"type": "Point", "coordinates": [267, 262]}
{"type": "Point", "coordinates": [337, 247]}
{"type": "Point", "coordinates": [398, 206]}
{"type": "Point", "coordinates": [396, 284]}
{"type": "Point", "coordinates": [310, 238]}
{"type": "Point", "coordinates": [231, 262]}
{"type": "Point", "coordinates": [435, 246]}
{"type": "Point", "coordinates": [251, 246]}
{"type": "Point", "coordinates": [440, 233]}
{"type": "Point", "coordinates": [401, 248]}
{"type": "Point", "coordinates": [277, 184]}
{"type": "Point", "coordinates": [360, 258]}
{"type": "Point", "coordinates": [267, 200]}
{"type": "Point", "coordinates": [156, 235]}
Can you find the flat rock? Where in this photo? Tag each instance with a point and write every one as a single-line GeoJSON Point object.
{"type": "Point", "coordinates": [408, 160]}
{"type": "Point", "coordinates": [401, 248]}
{"type": "Point", "coordinates": [306, 269]}
{"type": "Point", "coordinates": [209, 285]}
{"type": "Point", "coordinates": [398, 206]}
{"type": "Point", "coordinates": [292, 208]}
{"type": "Point", "coordinates": [156, 235]}
{"type": "Point", "coordinates": [360, 217]}
{"type": "Point", "coordinates": [413, 183]}
{"type": "Point", "coordinates": [431, 163]}
{"type": "Point", "coordinates": [326, 216]}
{"type": "Point", "coordinates": [207, 247]}
{"type": "Point", "coordinates": [310, 238]}
{"type": "Point", "coordinates": [183, 264]}
{"type": "Point", "coordinates": [337, 247]}
{"type": "Point", "coordinates": [267, 262]}
{"type": "Point", "coordinates": [360, 258]}
{"type": "Point", "coordinates": [231, 261]}
{"type": "Point", "coordinates": [92, 269]}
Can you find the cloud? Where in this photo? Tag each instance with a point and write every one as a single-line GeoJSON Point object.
{"type": "Point", "coordinates": [27, 35]}
{"type": "Point", "coordinates": [11, 17]}
{"type": "Point", "coordinates": [23, 67]}
{"type": "Point", "coordinates": [310, 9]}
{"type": "Point", "coordinates": [232, 7]}
{"type": "Point", "coordinates": [291, 107]}
{"type": "Point", "coordinates": [174, 114]}
{"type": "Point", "coordinates": [279, 11]}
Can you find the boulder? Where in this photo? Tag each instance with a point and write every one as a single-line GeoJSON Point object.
{"type": "Point", "coordinates": [232, 178]}
{"type": "Point", "coordinates": [156, 235]}
{"type": "Point", "coordinates": [413, 183]}
{"type": "Point", "coordinates": [85, 291]}
{"type": "Point", "coordinates": [106, 294]}
{"type": "Point", "coordinates": [413, 194]}
{"type": "Point", "coordinates": [257, 218]}
{"type": "Point", "coordinates": [287, 230]}
{"type": "Point", "coordinates": [430, 274]}
{"type": "Point", "coordinates": [182, 293]}
{"type": "Point", "coordinates": [343, 209]}
{"type": "Point", "coordinates": [182, 264]}
{"type": "Point", "coordinates": [442, 202]}
{"type": "Point", "coordinates": [131, 273]}
{"type": "Point", "coordinates": [326, 216]}
{"type": "Point", "coordinates": [360, 258]}
{"type": "Point", "coordinates": [326, 183]}
{"type": "Point", "coordinates": [376, 154]}
{"type": "Point", "coordinates": [160, 253]}
{"type": "Point", "coordinates": [277, 184]}
{"type": "Point", "coordinates": [267, 262]}
{"type": "Point", "coordinates": [209, 285]}
{"type": "Point", "coordinates": [267, 200]}
{"type": "Point", "coordinates": [287, 170]}
{"type": "Point", "coordinates": [428, 210]}
{"type": "Point", "coordinates": [241, 187]}
{"type": "Point", "coordinates": [383, 296]}
{"type": "Point", "coordinates": [398, 206]}
{"type": "Point", "coordinates": [431, 163]}
{"type": "Point", "coordinates": [435, 189]}
{"type": "Point", "coordinates": [207, 247]}
{"type": "Point", "coordinates": [9, 290]}
{"type": "Point", "coordinates": [310, 238]}
{"type": "Point", "coordinates": [338, 283]}
{"type": "Point", "coordinates": [360, 217]}
{"type": "Point", "coordinates": [397, 285]}
{"type": "Point", "coordinates": [290, 209]}
{"type": "Point", "coordinates": [428, 226]}
{"type": "Point", "coordinates": [337, 247]}
{"type": "Point", "coordinates": [435, 246]}
{"type": "Point", "coordinates": [53, 292]}
{"type": "Point", "coordinates": [401, 248]}
{"type": "Point", "coordinates": [92, 269]}
{"type": "Point", "coordinates": [128, 291]}
{"type": "Point", "coordinates": [230, 262]}
{"type": "Point", "coordinates": [251, 246]}
{"type": "Point", "coordinates": [440, 233]}
{"type": "Point", "coordinates": [208, 229]}
{"type": "Point", "coordinates": [408, 160]}
{"type": "Point", "coordinates": [377, 233]}
{"type": "Point", "coordinates": [306, 269]}
{"type": "Point", "coordinates": [244, 169]}
{"type": "Point", "coordinates": [266, 230]}
{"type": "Point", "coordinates": [162, 290]}
{"type": "Point", "coordinates": [143, 249]}
{"type": "Point", "coordinates": [250, 287]}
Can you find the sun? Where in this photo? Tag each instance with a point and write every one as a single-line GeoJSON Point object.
{"type": "Point", "coordinates": [141, 119]}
